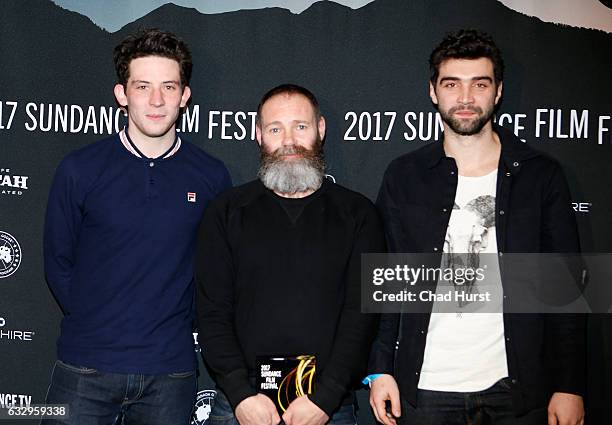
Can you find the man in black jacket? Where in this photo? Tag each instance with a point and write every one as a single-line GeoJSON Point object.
{"type": "Point", "coordinates": [480, 190]}
{"type": "Point", "coordinates": [278, 273]}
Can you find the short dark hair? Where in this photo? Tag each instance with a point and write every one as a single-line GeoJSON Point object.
{"type": "Point", "coordinates": [289, 89]}
{"type": "Point", "coordinates": [152, 42]}
{"type": "Point", "coordinates": [466, 44]}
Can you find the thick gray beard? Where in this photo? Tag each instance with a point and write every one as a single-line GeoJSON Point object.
{"type": "Point", "coordinates": [296, 175]}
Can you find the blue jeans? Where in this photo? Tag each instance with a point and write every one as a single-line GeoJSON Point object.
{"type": "Point", "coordinates": [222, 413]}
{"type": "Point", "coordinates": [492, 406]}
{"type": "Point", "coordinates": [100, 398]}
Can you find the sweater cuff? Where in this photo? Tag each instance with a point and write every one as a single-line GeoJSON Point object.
{"type": "Point", "coordinates": [575, 386]}
{"type": "Point", "coordinates": [327, 397]}
{"type": "Point", "coordinates": [236, 387]}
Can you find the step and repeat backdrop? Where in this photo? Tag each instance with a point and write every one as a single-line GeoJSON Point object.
{"type": "Point", "coordinates": [367, 63]}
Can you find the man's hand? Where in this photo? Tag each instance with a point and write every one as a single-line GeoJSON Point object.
{"type": "Point", "coordinates": [565, 409]}
{"type": "Point", "coordinates": [302, 411]}
{"type": "Point", "coordinates": [382, 389]}
{"type": "Point", "coordinates": [257, 410]}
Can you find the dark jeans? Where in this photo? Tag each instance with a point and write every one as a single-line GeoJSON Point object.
{"type": "Point", "coordinates": [222, 413]}
{"type": "Point", "coordinates": [492, 406]}
{"type": "Point", "coordinates": [100, 398]}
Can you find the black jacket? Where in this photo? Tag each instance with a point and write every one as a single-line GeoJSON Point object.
{"type": "Point", "coordinates": [545, 352]}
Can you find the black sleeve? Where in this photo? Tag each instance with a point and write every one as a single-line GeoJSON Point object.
{"type": "Point", "coordinates": [565, 333]}
{"type": "Point", "coordinates": [383, 348]}
{"type": "Point", "coordinates": [355, 330]}
{"type": "Point", "coordinates": [214, 270]}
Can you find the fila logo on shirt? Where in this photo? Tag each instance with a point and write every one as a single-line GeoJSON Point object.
{"type": "Point", "coordinates": [191, 196]}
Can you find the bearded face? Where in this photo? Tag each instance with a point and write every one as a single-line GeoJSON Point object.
{"type": "Point", "coordinates": [467, 126]}
{"type": "Point", "coordinates": [292, 168]}
{"type": "Point", "coordinates": [289, 133]}
{"type": "Point", "coordinates": [466, 94]}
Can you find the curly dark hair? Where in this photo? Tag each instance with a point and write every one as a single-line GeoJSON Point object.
{"type": "Point", "coordinates": [466, 44]}
{"type": "Point", "coordinates": [152, 42]}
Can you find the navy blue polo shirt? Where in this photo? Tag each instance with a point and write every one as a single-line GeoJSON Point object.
{"type": "Point", "coordinates": [119, 243]}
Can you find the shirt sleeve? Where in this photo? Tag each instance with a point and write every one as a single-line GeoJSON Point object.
{"type": "Point", "coordinates": [565, 333]}
{"type": "Point", "coordinates": [384, 345]}
{"type": "Point", "coordinates": [355, 330]}
{"type": "Point", "coordinates": [62, 225]}
{"type": "Point", "coordinates": [214, 272]}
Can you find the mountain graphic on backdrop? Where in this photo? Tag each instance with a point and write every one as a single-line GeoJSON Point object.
{"type": "Point", "coordinates": [376, 55]}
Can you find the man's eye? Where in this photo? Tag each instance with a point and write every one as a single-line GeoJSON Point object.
{"type": "Point", "coordinates": [141, 87]}
{"type": "Point", "coordinates": [450, 85]}
{"type": "Point", "coordinates": [274, 130]}
{"type": "Point", "coordinates": [170, 87]}
{"type": "Point", "coordinates": [301, 126]}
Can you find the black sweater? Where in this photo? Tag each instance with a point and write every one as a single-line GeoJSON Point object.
{"type": "Point", "coordinates": [269, 285]}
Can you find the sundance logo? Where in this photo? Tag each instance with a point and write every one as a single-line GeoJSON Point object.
{"type": "Point", "coordinates": [10, 254]}
{"type": "Point", "coordinates": [203, 406]}
{"type": "Point", "coordinates": [15, 400]}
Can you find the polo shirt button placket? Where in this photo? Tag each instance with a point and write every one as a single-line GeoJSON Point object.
{"type": "Point", "coordinates": [151, 179]}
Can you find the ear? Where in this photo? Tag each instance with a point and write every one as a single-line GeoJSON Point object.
{"type": "Point", "coordinates": [321, 127]}
{"type": "Point", "coordinates": [258, 133]}
{"type": "Point", "coordinates": [119, 91]}
{"type": "Point", "coordinates": [432, 93]}
{"type": "Point", "coordinates": [185, 97]}
{"type": "Point", "coordinates": [499, 91]}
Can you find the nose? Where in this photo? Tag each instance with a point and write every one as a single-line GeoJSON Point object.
{"type": "Point", "coordinates": [465, 95]}
{"type": "Point", "coordinates": [288, 138]}
{"type": "Point", "coordinates": [156, 98]}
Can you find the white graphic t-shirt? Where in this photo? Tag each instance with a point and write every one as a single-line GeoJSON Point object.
{"type": "Point", "coordinates": [466, 352]}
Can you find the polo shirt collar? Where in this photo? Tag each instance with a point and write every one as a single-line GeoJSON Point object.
{"type": "Point", "coordinates": [133, 149]}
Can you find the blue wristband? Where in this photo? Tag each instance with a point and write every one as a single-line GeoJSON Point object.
{"type": "Point", "coordinates": [370, 378]}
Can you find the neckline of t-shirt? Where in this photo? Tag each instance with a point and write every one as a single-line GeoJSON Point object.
{"type": "Point", "coordinates": [488, 175]}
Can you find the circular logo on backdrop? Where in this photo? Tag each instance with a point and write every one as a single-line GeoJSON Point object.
{"type": "Point", "coordinates": [10, 254]}
{"type": "Point", "coordinates": [203, 406]}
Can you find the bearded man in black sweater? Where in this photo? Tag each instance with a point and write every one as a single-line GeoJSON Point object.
{"type": "Point", "coordinates": [278, 271]}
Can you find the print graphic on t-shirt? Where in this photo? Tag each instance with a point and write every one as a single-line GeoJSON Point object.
{"type": "Point", "coordinates": [467, 236]}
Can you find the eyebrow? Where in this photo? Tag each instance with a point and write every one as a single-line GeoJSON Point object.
{"type": "Point", "coordinates": [293, 121]}
{"type": "Point", "coordinates": [148, 82]}
{"type": "Point", "coordinates": [477, 78]}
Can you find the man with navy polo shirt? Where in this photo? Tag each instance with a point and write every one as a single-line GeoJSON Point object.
{"type": "Point", "coordinates": [119, 241]}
